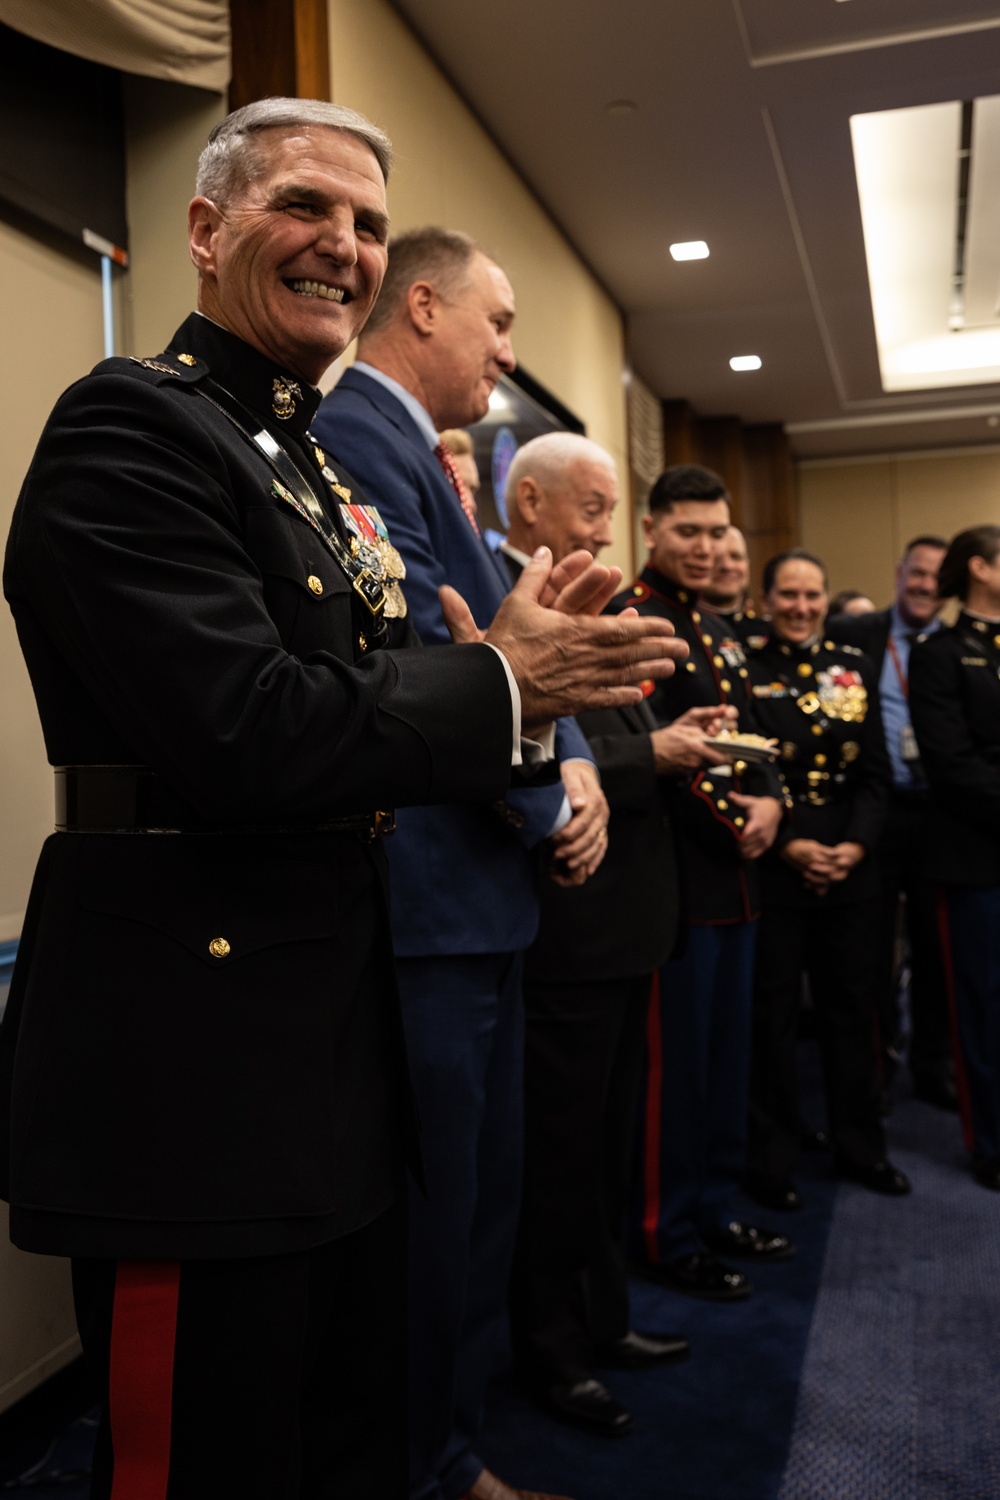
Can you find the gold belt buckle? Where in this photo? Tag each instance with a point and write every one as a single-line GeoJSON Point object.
{"type": "Point", "coordinates": [384, 822]}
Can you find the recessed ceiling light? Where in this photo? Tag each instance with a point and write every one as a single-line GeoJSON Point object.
{"type": "Point", "coordinates": [690, 250]}
{"type": "Point", "coordinates": [745, 362]}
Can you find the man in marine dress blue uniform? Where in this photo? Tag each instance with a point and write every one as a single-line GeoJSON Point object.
{"type": "Point", "coordinates": [698, 1034]}
{"type": "Point", "coordinates": [201, 1060]}
{"type": "Point", "coordinates": [465, 905]}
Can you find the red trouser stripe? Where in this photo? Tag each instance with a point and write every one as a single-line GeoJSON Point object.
{"type": "Point", "coordinates": [140, 1379]}
{"type": "Point", "coordinates": [961, 1081]}
{"type": "Point", "coordinates": [653, 1123]}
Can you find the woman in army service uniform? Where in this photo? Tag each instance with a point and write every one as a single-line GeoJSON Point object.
{"type": "Point", "coordinates": [955, 703]}
{"type": "Point", "coordinates": [820, 887]}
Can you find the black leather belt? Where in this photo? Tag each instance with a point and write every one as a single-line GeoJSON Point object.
{"type": "Point", "coordinates": [135, 799]}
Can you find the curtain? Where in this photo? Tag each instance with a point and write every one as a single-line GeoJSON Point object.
{"type": "Point", "coordinates": [186, 41]}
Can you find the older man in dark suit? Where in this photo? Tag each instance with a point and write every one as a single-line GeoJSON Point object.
{"type": "Point", "coordinates": [465, 903]}
{"type": "Point", "coordinates": [886, 636]}
{"type": "Point", "coordinates": [587, 987]}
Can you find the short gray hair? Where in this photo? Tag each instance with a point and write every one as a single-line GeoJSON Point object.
{"type": "Point", "coordinates": [233, 158]}
{"type": "Point", "coordinates": [547, 459]}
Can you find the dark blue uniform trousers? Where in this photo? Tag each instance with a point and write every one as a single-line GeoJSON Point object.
{"type": "Point", "coordinates": [693, 1126]}
{"type": "Point", "coordinates": [971, 942]}
{"type": "Point", "coordinates": [464, 1019]}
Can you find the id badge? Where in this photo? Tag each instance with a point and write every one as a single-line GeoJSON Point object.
{"type": "Point", "coordinates": [908, 747]}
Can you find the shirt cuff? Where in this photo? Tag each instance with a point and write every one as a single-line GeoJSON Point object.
{"type": "Point", "coordinates": [525, 751]}
{"type": "Point", "coordinates": [563, 817]}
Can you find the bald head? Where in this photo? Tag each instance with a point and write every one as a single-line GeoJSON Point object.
{"type": "Point", "coordinates": [561, 493]}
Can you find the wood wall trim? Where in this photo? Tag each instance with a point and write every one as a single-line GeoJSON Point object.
{"type": "Point", "coordinates": [280, 47]}
{"type": "Point", "coordinates": [756, 464]}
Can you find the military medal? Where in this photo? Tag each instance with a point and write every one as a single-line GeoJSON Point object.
{"type": "Point", "coordinates": [842, 694]}
{"type": "Point", "coordinates": [371, 545]}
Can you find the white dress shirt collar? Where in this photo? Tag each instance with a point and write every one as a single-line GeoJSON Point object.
{"type": "Point", "coordinates": [419, 413]}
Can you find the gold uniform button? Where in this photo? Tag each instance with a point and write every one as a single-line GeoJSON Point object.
{"type": "Point", "coordinates": [718, 661]}
{"type": "Point", "coordinates": [691, 666]}
{"type": "Point", "coordinates": [219, 948]}
{"type": "Point", "coordinates": [725, 685]}
{"type": "Point", "coordinates": [804, 669]}
{"type": "Point", "coordinates": [817, 729]}
{"type": "Point", "coordinates": [706, 786]}
{"type": "Point", "coordinates": [706, 640]}
{"type": "Point", "coordinates": [696, 617]}
{"type": "Point", "coordinates": [739, 822]}
{"type": "Point", "coordinates": [739, 767]}
{"type": "Point", "coordinates": [187, 359]}
{"type": "Point", "coordinates": [316, 584]}
{"type": "Point", "coordinates": [819, 760]}
{"type": "Point", "coordinates": [722, 804]}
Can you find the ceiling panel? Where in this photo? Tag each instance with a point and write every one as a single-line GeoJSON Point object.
{"type": "Point", "coordinates": [756, 160]}
{"type": "Point", "coordinates": [780, 30]}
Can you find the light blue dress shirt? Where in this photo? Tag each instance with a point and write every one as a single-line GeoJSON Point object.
{"type": "Point", "coordinates": [895, 707]}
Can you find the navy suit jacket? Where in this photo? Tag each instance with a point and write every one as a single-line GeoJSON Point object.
{"type": "Point", "coordinates": [463, 877]}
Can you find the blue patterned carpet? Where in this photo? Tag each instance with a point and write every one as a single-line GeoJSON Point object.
{"type": "Point", "coordinates": [900, 1393]}
{"type": "Point", "coordinates": [868, 1368]}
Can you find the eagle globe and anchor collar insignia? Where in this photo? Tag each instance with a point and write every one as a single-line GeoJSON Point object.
{"type": "Point", "coordinates": [285, 394]}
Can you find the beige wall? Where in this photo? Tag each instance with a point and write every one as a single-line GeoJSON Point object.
{"type": "Point", "coordinates": [53, 329]}
{"type": "Point", "coordinates": [569, 333]}
{"type": "Point", "coordinates": [52, 321]}
{"type": "Point", "coordinates": [859, 514]}
{"type": "Point", "coordinates": [166, 127]}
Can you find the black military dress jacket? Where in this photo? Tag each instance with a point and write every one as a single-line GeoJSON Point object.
{"type": "Point", "coordinates": [718, 885]}
{"type": "Point", "coordinates": [820, 702]}
{"type": "Point", "coordinates": [202, 1051]}
{"type": "Point", "coordinates": [623, 921]}
{"type": "Point", "coordinates": [744, 623]}
{"type": "Point", "coordinates": [955, 707]}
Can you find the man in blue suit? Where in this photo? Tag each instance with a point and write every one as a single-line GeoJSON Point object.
{"type": "Point", "coordinates": [464, 878]}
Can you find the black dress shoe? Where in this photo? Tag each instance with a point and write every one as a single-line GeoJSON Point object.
{"type": "Point", "coordinates": [937, 1089]}
{"type": "Point", "coordinates": [703, 1276]}
{"type": "Point", "coordinates": [879, 1176]}
{"type": "Point", "coordinates": [779, 1193]}
{"type": "Point", "coordinates": [748, 1242]}
{"type": "Point", "coordinates": [639, 1351]}
{"type": "Point", "coordinates": [986, 1171]}
{"type": "Point", "coordinates": [587, 1404]}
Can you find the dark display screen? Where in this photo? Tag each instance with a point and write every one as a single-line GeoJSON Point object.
{"type": "Point", "coordinates": [63, 139]}
{"type": "Point", "coordinates": [520, 409]}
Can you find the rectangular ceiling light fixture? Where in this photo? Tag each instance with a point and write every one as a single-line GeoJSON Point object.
{"type": "Point", "coordinates": [690, 250]}
{"type": "Point", "coordinates": [928, 199]}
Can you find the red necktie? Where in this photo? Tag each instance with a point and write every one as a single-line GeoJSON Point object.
{"type": "Point", "coordinates": [446, 459]}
